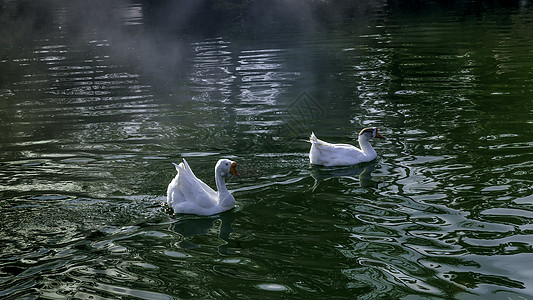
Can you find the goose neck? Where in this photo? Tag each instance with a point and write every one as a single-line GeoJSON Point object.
{"type": "Point", "coordinates": [221, 183]}
{"type": "Point", "coordinates": [367, 149]}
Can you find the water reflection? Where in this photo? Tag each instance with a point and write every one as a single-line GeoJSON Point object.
{"type": "Point", "coordinates": [223, 74]}
{"type": "Point", "coordinates": [362, 172]}
{"type": "Point", "coordinates": [98, 97]}
{"type": "Point", "coordinates": [213, 70]}
{"type": "Point", "coordinates": [190, 226]}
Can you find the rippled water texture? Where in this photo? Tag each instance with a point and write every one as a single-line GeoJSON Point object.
{"type": "Point", "coordinates": [99, 97]}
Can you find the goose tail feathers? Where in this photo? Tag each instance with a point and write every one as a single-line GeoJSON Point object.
{"type": "Point", "coordinates": [313, 139]}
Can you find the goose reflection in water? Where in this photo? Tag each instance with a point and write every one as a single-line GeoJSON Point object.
{"type": "Point", "coordinates": [362, 171]}
{"type": "Point", "coordinates": [190, 226]}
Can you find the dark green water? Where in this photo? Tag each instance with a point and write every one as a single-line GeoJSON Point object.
{"type": "Point", "coordinates": [97, 100]}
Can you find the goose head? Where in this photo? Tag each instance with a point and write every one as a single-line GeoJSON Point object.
{"type": "Point", "coordinates": [370, 132]}
{"type": "Point", "coordinates": [226, 168]}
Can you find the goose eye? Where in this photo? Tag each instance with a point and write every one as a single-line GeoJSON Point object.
{"type": "Point", "coordinates": [226, 164]}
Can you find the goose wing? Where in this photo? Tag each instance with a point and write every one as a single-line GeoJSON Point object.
{"type": "Point", "coordinates": [207, 189]}
{"type": "Point", "coordinates": [328, 154]}
{"type": "Point", "coordinates": [187, 189]}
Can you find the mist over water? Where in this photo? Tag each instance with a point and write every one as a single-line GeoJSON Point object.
{"type": "Point", "coordinates": [98, 98]}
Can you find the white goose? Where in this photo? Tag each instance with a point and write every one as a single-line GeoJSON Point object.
{"type": "Point", "coordinates": [327, 154]}
{"type": "Point", "coordinates": [187, 194]}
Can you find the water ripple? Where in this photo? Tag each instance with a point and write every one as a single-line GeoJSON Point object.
{"type": "Point", "coordinates": [96, 108]}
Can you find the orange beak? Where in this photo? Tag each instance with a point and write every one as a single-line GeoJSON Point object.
{"type": "Point", "coordinates": [379, 136]}
{"type": "Point", "coordinates": [233, 171]}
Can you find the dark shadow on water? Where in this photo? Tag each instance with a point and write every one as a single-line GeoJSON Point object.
{"type": "Point", "coordinates": [190, 225]}
{"type": "Point", "coordinates": [363, 172]}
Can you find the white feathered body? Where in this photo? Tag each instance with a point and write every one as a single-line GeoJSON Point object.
{"type": "Point", "coordinates": [328, 154]}
{"type": "Point", "coordinates": [187, 194]}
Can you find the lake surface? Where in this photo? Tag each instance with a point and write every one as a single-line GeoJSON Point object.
{"type": "Point", "coordinates": [99, 97]}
